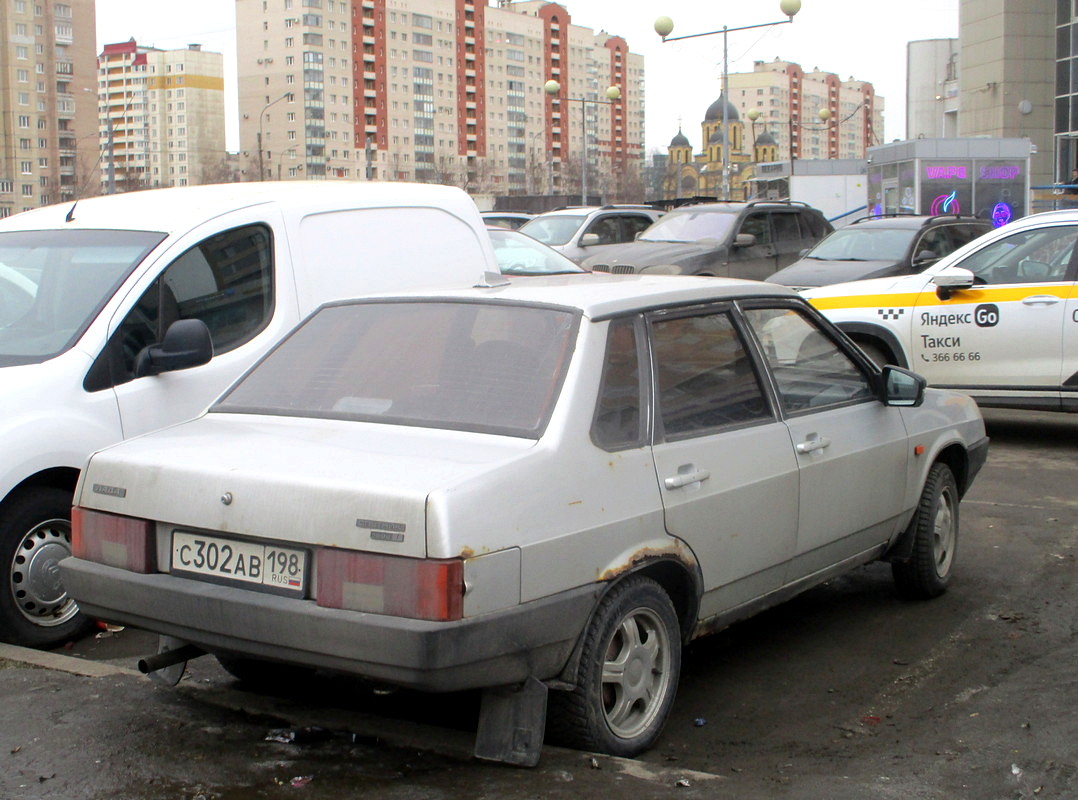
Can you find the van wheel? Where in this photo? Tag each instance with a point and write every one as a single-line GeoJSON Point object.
{"type": "Point", "coordinates": [935, 539]}
{"type": "Point", "coordinates": [628, 673]}
{"type": "Point", "coordinates": [35, 535]}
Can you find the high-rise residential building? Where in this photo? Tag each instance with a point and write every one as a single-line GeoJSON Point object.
{"type": "Point", "coordinates": [449, 91]}
{"type": "Point", "coordinates": [811, 114]}
{"type": "Point", "coordinates": [47, 97]}
{"type": "Point", "coordinates": [162, 116]}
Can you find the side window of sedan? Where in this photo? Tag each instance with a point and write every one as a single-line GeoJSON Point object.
{"type": "Point", "coordinates": [619, 419]}
{"type": "Point", "coordinates": [705, 377]}
{"type": "Point", "coordinates": [811, 371]}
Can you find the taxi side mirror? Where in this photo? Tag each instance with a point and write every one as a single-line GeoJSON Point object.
{"type": "Point", "coordinates": [950, 280]}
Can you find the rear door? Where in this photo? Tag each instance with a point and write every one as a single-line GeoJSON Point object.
{"type": "Point", "coordinates": [726, 470]}
{"type": "Point", "coordinates": [790, 240]}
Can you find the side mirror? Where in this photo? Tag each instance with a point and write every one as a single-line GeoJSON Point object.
{"type": "Point", "coordinates": [187, 344]}
{"type": "Point", "coordinates": [804, 252]}
{"type": "Point", "coordinates": [925, 256]}
{"type": "Point", "coordinates": [951, 279]}
{"type": "Point", "coordinates": [744, 240]}
{"type": "Point", "coordinates": [589, 239]}
{"type": "Point", "coordinates": [902, 387]}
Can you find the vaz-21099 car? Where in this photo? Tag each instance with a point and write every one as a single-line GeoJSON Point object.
{"type": "Point", "coordinates": [553, 483]}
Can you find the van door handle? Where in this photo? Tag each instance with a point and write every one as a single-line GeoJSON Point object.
{"type": "Point", "coordinates": [1041, 300]}
{"type": "Point", "coordinates": [813, 443]}
{"type": "Point", "coordinates": [686, 478]}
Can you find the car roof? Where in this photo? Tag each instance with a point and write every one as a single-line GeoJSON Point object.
{"type": "Point", "coordinates": [599, 295]}
{"type": "Point", "coordinates": [180, 208]}
{"type": "Point", "coordinates": [914, 221]}
{"type": "Point", "coordinates": [580, 210]}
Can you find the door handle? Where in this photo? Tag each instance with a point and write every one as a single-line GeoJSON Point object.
{"type": "Point", "coordinates": [1041, 300]}
{"type": "Point", "coordinates": [686, 478]}
{"type": "Point", "coordinates": [813, 443]}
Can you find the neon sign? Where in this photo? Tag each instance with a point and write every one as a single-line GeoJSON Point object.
{"type": "Point", "coordinates": [946, 204]}
{"type": "Point", "coordinates": [1008, 173]}
{"type": "Point", "coordinates": [1002, 213]}
{"type": "Point", "coordinates": [945, 173]}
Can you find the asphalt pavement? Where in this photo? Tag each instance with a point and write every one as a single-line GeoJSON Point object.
{"type": "Point", "coordinates": [844, 692]}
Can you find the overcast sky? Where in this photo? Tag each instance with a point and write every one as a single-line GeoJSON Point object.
{"type": "Point", "coordinates": [851, 38]}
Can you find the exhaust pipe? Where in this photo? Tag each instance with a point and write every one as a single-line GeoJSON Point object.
{"type": "Point", "coordinates": [168, 658]}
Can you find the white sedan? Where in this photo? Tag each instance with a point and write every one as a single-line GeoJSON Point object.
{"type": "Point", "coordinates": [550, 484]}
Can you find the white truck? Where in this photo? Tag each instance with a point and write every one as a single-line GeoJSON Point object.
{"type": "Point", "coordinates": [127, 313]}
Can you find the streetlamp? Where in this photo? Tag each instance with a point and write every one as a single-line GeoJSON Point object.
{"type": "Point", "coordinates": [664, 26]}
{"type": "Point", "coordinates": [613, 94]}
{"type": "Point", "coordinates": [261, 118]}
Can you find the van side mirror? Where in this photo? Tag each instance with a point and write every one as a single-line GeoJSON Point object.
{"type": "Point", "coordinates": [902, 387]}
{"type": "Point", "coordinates": [187, 344]}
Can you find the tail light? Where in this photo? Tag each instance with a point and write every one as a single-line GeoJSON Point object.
{"type": "Point", "coordinates": [115, 541]}
{"type": "Point", "coordinates": [401, 587]}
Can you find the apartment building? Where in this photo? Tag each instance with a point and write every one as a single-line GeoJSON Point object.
{"type": "Point", "coordinates": [161, 116]}
{"type": "Point", "coordinates": [448, 91]}
{"type": "Point", "coordinates": [810, 114]}
{"type": "Point", "coordinates": [47, 98]}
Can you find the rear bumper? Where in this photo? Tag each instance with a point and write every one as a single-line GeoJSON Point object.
{"type": "Point", "coordinates": [532, 640]}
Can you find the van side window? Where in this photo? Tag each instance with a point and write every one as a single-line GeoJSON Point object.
{"type": "Point", "coordinates": [226, 281]}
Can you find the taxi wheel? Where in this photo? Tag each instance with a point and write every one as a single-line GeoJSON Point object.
{"type": "Point", "coordinates": [35, 535]}
{"type": "Point", "coordinates": [935, 540]}
{"type": "Point", "coordinates": [628, 674]}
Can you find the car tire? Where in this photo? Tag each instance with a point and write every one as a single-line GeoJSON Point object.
{"type": "Point", "coordinates": [627, 675]}
{"type": "Point", "coordinates": [35, 534]}
{"type": "Point", "coordinates": [260, 674]}
{"type": "Point", "coordinates": [935, 539]}
{"type": "Point", "coordinates": [880, 356]}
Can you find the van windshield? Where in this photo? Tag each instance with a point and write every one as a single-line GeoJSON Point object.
{"type": "Point", "coordinates": [54, 283]}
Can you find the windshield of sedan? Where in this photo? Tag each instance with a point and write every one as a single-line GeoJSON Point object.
{"type": "Point", "coordinates": [690, 226]}
{"type": "Point", "coordinates": [864, 244]}
{"type": "Point", "coordinates": [54, 283]}
{"type": "Point", "coordinates": [553, 230]}
{"type": "Point", "coordinates": [518, 254]}
{"type": "Point", "coordinates": [490, 367]}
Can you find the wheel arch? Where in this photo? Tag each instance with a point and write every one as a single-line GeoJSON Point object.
{"type": "Point", "coordinates": [881, 337]}
{"type": "Point", "coordinates": [680, 581]}
{"type": "Point", "coordinates": [54, 478]}
{"type": "Point", "coordinates": [955, 457]}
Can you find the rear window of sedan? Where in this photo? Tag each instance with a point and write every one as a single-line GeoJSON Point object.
{"type": "Point", "coordinates": [487, 367]}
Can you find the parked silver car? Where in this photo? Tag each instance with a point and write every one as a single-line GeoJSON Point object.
{"type": "Point", "coordinates": [544, 484]}
{"type": "Point", "coordinates": [576, 231]}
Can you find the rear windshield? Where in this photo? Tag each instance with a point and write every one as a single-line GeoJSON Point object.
{"type": "Point", "coordinates": [54, 283]}
{"type": "Point", "coordinates": [489, 367]}
{"type": "Point", "coordinates": [865, 244]}
{"type": "Point", "coordinates": [690, 226]}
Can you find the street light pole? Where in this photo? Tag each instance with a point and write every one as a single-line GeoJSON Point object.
{"type": "Point", "coordinates": [613, 93]}
{"type": "Point", "coordinates": [664, 26]}
{"type": "Point", "coordinates": [261, 117]}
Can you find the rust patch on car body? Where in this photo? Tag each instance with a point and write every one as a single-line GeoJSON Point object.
{"type": "Point", "coordinates": [676, 551]}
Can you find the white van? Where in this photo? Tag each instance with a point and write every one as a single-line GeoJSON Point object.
{"type": "Point", "coordinates": [89, 289]}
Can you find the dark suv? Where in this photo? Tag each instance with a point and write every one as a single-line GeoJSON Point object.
{"type": "Point", "coordinates": [734, 240]}
{"type": "Point", "coordinates": [878, 247]}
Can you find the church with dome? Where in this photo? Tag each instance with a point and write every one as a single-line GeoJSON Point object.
{"type": "Point", "coordinates": [690, 175]}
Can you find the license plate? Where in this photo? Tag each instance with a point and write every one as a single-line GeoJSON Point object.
{"type": "Point", "coordinates": [268, 567]}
